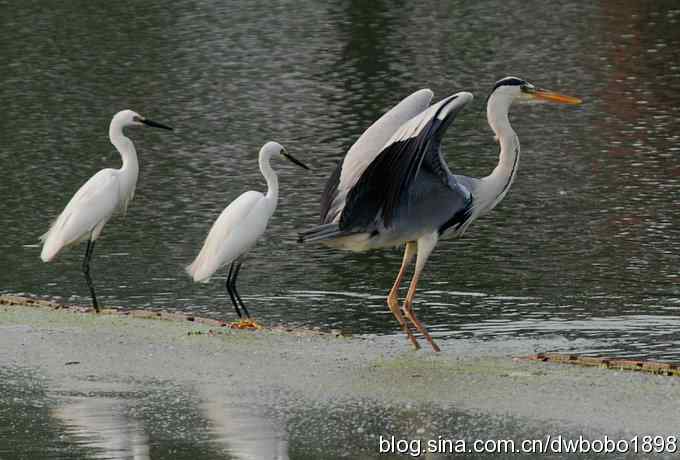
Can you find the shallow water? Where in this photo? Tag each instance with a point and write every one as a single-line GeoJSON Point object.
{"type": "Point", "coordinates": [585, 245]}
{"type": "Point", "coordinates": [143, 420]}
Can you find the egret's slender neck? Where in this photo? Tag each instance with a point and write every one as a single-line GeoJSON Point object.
{"type": "Point", "coordinates": [494, 186]}
{"type": "Point", "coordinates": [125, 147]}
{"type": "Point", "coordinates": [270, 176]}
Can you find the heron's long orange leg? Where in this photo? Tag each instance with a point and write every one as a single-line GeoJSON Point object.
{"type": "Point", "coordinates": [425, 246]}
{"type": "Point", "coordinates": [393, 296]}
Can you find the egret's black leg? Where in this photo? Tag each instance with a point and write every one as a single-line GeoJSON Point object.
{"type": "Point", "coordinates": [86, 271]}
{"type": "Point", "coordinates": [228, 285]}
{"type": "Point", "coordinates": [233, 287]}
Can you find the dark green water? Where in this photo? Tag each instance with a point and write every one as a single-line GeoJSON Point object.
{"type": "Point", "coordinates": [585, 245]}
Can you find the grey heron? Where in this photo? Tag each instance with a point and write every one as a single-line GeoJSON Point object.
{"type": "Point", "coordinates": [394, 187]}
{"type": "Point", "coordinates": [238, 228]}
{"type": "Point", "coordinates": [94, 203]}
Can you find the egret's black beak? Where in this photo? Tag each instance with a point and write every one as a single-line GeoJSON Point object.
{"type": "Point", "coordinates": [293, 159]}
{"type": "Point", "coordinates": [154, 124]}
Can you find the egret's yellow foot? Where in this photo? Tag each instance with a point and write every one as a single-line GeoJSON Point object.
{"type": "Point", "coordinates": [246, 324]}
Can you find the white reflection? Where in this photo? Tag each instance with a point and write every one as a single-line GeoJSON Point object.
{"type": "Point", "coordinates": [104, 425]}
{"type": "Point", "coordinates": [244, 431]}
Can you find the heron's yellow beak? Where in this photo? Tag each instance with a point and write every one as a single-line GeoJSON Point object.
{"type": "Point", "coordinates": [551, 96]}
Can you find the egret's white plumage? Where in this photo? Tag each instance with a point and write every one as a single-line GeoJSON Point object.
{"type": "Point", "coordinates": [235, 232]}
{"type": "Point", "coordinates": [105, 193]}
{"type": "Point", "coordinates": [85, 215]}
{"type": "Point", "coordinates": [239, 226]}
{"type": "Point", "coordinates": [99, 198]}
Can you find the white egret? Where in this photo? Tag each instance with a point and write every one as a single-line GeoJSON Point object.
{"type": "Point", "coordinates": [94, 203]}
{"type": "Point", "coordinates": [394, 187]}
{"type": "Point", "coordinates": [239, 227]}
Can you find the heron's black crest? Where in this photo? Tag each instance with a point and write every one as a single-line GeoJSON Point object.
{"type": "Point", "coordinates": [509, 81]}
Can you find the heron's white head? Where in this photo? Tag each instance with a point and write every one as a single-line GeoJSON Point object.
{"type": "Point", "coordinates": [274, 149]}
{"type": "Point", "coordinates": [126, 118]}
{"type": "Point", "coordinates": [510, 89]}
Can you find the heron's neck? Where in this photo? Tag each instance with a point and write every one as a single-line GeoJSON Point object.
{"type": "Point", "coordinates": [126, 149]}
{"type": "Point", "coordinates": [271, 178]}
{"type": "Point", "coordinates": [496, 185]}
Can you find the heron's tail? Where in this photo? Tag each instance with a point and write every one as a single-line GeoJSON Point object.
{"type": "Point", "coordinates": [320, 233]}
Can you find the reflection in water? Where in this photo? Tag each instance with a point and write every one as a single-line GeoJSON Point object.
{"type": "Point", "coordinates": [245, 431]}
{"type": "Point", "coordinates": [105, 425]}
{"type": "Point", "coordinates": [168, 420]}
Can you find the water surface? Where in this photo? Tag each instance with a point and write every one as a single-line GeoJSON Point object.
{"type": "Point", "coordinates": [142, 420]}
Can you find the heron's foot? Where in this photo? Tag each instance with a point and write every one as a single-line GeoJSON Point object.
{"type": "Point", "coordinates": [393, 303]}
{"type": "Point", "coordinates": [408, 313]}
{"type": "Point", "coordinates": [246, 323]}
{"type": "Point", "coordinates": [434, 346]}
{"type": "Point", "coordinates": [413, 340]}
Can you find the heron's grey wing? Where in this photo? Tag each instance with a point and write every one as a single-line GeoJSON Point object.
{"type": "Point", "coordinates": [365, 150]}
{"type": "Point", "coordinates": [386, 183]}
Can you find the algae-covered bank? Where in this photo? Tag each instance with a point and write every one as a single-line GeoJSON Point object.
{"type": "Point", "coordinates": [82, 384]}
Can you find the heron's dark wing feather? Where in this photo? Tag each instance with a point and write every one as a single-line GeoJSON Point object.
{"type": "Point", "coordinates": [329, 193]}
{"type": "Point", "coordinates": [366, 149]}
{"type": "Point", "coordinates": [386, 183]}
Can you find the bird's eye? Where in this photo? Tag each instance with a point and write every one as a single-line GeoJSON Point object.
{"type": "Point", "coordinates": [136, 119]}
